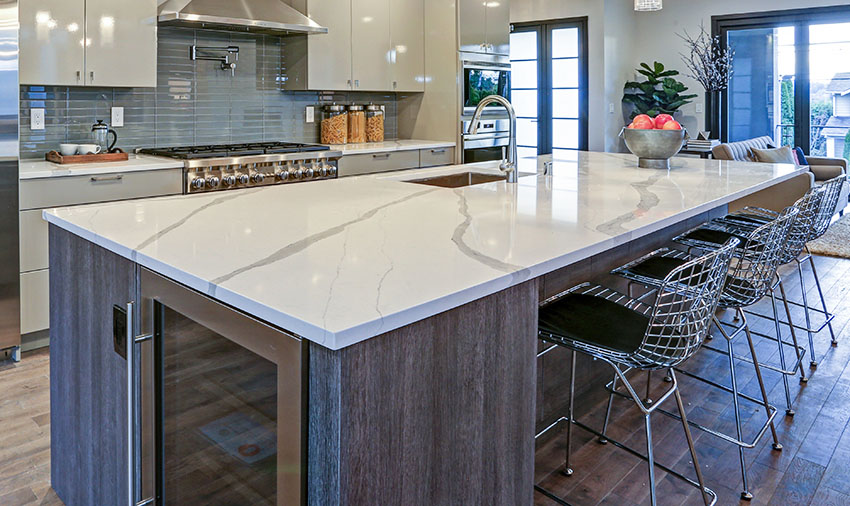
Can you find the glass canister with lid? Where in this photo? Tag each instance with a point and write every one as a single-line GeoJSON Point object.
{"type": "Point", "coordinates": [356, 124]}
{"type": "Point", "coordinates": [374, 123]}
{"type": "Point", "coordinates": [334, 124]}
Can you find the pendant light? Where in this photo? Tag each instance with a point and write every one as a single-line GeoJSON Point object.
{"type": "Point", "coordinates": [648, 5]}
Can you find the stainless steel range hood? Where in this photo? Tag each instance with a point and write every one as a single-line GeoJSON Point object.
{"type": "Point", "coordinates": [255, 16]}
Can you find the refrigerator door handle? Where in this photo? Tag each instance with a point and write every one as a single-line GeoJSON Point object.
{"type": "Point", "coordinates": [133, 407]}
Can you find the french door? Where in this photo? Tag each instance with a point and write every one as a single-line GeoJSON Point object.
{"type": "Point", "coordinates": [790, 79]}
{"type": "Point", "coordinates": [549, 86]}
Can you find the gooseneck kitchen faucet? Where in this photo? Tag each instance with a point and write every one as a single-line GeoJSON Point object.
{"type": "Point", "coordinates": [509, 165]}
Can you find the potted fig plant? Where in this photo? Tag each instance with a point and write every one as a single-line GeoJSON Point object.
{"type": "Point", "coordinates": [660, 93]}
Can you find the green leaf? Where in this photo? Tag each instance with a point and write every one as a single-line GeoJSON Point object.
{"type": "Point", "coordinates": [659, 67]}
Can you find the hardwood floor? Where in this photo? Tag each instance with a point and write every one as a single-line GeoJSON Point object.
{"type": "Point", "coordinates": [813, 468]}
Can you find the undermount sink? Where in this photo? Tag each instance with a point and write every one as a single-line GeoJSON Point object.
{"type": "Point", "coordinates": [460, 180]}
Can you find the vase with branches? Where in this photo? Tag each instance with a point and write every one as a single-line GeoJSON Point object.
{"type": "Point", "coordinates": [710, 64]}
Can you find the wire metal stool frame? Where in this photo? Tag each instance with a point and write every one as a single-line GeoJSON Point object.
{"type": "Point", "coordinates": [679, 320]}
{"type": "Point", "coordinates": [749, 279]}
{"type": "Point", "coordinates": [821, 218]}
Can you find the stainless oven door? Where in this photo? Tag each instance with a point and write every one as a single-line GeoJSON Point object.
{"type": "Point", "coordinates": [490, 143]}
{"type": "Point", "coordinates": [217, 406]}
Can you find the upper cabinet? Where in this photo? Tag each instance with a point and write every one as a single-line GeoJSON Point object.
{"type": "Point", "coordinates": [371, 45]}
{"type": "Point", "coordinates": [88, 43]}
{"type": "Point", "coordinates": [485, 26]}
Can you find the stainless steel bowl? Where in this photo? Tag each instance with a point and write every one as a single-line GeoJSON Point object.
{"type": "Point", "coordinates": [654, 148]}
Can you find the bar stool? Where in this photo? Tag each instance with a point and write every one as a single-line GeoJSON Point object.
{"type": "Point", "coordinates": [820, 222]}
{"type": "Point", "coordinates": [628, 334]}
{"type": "Point", "coordinates": [747, 281]}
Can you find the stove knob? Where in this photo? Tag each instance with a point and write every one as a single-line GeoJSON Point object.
{"type": "Point", "coordinates": [323, 171]}
{"type": "Point", "coordinates": [297, 174]}
{"type": "Point", "coordinates": [229, 180]}
{"type": "Point", "coordinates": [244, 179]}
{"type": "Point", "coordinates": [198, 183]}
{"type": "Point", "coordinates": [309, 173]}
{"type": "Point", "coordinates": [283, 175]}
{"type": "Point", "coordinates": [213, 181]}
{"type": "Point", "coordinates": [258, 177]}
{"type": "Point", "coordinates": [332, 171]}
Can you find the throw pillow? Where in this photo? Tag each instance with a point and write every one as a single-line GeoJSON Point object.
{"type": "Point", "coordinates": [778, 155]}
{"type": "Point", "coordinates": [801, 157]}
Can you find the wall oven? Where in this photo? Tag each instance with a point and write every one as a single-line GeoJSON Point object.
{"type": "Point", "coordinates": [490, 143]}
{"type": "Point", "coordinates": [215, 414]}
{"type": "Point", "coordinates": [483, 78]}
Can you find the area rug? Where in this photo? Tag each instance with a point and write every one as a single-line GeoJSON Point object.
{"type": "Point", "coordinates": [836, 241]}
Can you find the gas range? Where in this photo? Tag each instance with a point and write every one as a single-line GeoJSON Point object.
{"type": "Point", "coordinates": [231, 166]}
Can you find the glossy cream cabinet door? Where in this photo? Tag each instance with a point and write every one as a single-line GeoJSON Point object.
{"type": "Point", "coordinates": [498, 29]}
{"type": "Point", "coordinates": [121, 48]}
{"type": "Point", "coordinates": [371, 47]}
{"type": "Point", "coordinates": [329, 55]}
{"type": "Point", "coordinates": [407, 32]}
{"type": "Point", "coordinates": [472, 26]}
{"type": "Point", "coordinates": [51, 45]}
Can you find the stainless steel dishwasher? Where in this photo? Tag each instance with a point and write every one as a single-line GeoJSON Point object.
{"type": "Point", "coordinates": [216, 414]}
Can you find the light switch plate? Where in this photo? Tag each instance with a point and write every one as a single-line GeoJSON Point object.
{"type": "Point", "coordinates": [699, 108]}
{"type": "Point", "coordinates": [311, 113]}
{"type": "Point", "coordinates": [117, 117]}
{"type": "Point", "coordinates": [37, 119]}
{"type": "Point", "coordinates": [610, 108]}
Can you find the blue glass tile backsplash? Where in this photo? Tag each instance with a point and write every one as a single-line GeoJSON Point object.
{"type": "Point", "coordinates": [194, 102]}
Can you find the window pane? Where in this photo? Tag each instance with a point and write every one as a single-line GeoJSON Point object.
{"type": "Point", "coordinates": [565, 43]}
{"type": "Point", "coordinates": [829, 84]}
{"type": "Point", "coordinates": [565, 73]}
{"type": "Point", "coordinates": [526, 132]}
{"type": "Point", "coordinates": [565, 133]}
{"type": "Point", "coordinates": [524, 74]}
{"type": "Point", "coordinates": [565, 103]}
{"type": "Point", "coordinates": [525, 103]}
{"type": "Point", "coordinates": [526, 152]}
{"type": "Point", "coordinates": [524, 46]}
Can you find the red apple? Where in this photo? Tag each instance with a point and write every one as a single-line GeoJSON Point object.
{"type": "Point", "coordinates": [631, 125]}
{"type": "Point", "coordinates": [643, 117]}
{"type": "Point", "coordinates": [661, 120]}
{"type": "Point", "coordinates": [643, 122]}
{"type": "Point", "coordinates": [672, 125]}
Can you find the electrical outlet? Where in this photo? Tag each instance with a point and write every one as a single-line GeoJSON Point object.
{"type": "Point", "coordinates": [699, 108]}
{"type": "Point", "coordinates": [311, 114]}
{"type": "Point", "coordinates": [610, 108]}
{"type": "Point", "coordinates": [37, 119]}
{"type": "Point", "coordinates": [117, 117]}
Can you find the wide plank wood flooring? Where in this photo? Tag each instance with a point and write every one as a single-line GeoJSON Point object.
{"type": "Point", "coordinates": [813, 468]}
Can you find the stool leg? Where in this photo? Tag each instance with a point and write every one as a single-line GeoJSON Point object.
{"type": "Point", "coordinates": [789, 410]}
{"type": "Point", "coordinates": [776, 444]}
{"type": "Point", "coordinates": [822, 300]}
{"type": "Point", "coordinates": [651, 460]}
{"type": "Point", "coordinates": [568, 471]}
{"type": "Point", "coordinates": [647, 399]}
{"type": "Point", "coordinates": [813, 362]}
{"type": "Point", "coordinates": [746, 495]}
{"type": "Point", "coordinates": [803, 378]}
{"type": "Point", "coordinates": [693, 450]}
{"type": "Point", "coordinates": [603, 440]}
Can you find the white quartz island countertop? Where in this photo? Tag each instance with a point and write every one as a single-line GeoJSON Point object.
{"type": "Point", "coordinates": [366, 148]}
{"type": "Point", "coordinates": [341, 261]}
{"type": "Point", "coordinates": [39, 169]}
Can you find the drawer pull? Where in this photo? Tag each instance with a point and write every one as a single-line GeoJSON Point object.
{"type": "Point", "coordinates": [381, 155]}
{"type": "Point", "coordinates": [101, 179]}
{"type": "Point", "coordinates": [438, 151]}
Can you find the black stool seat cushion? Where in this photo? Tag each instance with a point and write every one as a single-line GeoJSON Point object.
{"type": "Point", "coordinates": [595, 321]}
{"type": "Point", "coordinates": [656, 267]}
{"type": "Point", "coordinates": [755, 219]}
{"type": "Point", "coordinates": [712, 236]}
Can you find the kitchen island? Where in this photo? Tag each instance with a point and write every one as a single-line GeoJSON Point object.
{"type": "Point", "coordinates": [416, 306]}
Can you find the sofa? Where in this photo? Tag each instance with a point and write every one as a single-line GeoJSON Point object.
{"type": "Point", "coordinates": [820, 169]}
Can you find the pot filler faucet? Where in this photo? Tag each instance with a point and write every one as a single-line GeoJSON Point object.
{"type": "Point", "coordinates": [509, 165]}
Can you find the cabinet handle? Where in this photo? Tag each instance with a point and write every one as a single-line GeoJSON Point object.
{"type": "Point", "coordinates": [438, 151]}
{"type": "Point", "coordinates": [133, 400]}
{"type": "Point", "coordinates": [91, 76]}
{"type": "Point", "coordinates": [349, 83]}
{"type": "Point", "coordinates": [101, 179]}
{"type": "Point", "coordinates": [79, 76]}
{"type": "Point", "coordinates": [383, 156]}
{"type": "Point", "coordinates": [357, 83]}
{"type": "Point", "coordinates": [395, 84]}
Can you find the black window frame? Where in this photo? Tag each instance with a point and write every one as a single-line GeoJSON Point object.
{"type": "Point", "coordinates": [717, 117]}
{"type": "Point", "coordinates": [545, 120]}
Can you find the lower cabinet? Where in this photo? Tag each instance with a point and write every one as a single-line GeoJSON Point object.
{"type": "Point", "coordinates": [370, 163]}
{"type": "Point", "coordinates": [40, 194]}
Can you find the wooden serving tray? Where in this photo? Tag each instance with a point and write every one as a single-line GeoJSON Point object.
{"type": "Point", "coordinates": [117, 156]}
